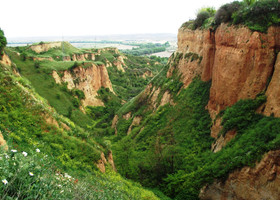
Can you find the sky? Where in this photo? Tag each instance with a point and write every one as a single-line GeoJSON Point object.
{"type": "Point", "coordinates": [35, 18]}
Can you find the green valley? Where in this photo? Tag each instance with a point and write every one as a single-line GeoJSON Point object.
{"type": "Point", "coordinates": [103, 123]}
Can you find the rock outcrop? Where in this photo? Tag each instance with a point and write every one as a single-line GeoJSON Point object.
{"type": "Point", "coordinates": [101, 164]}
{"type": "Point", "coordinates": [43, 47]}
{"type": "Point", "coordinates": [119, 63]}
{"type": "Point", "coordinates": [6, 60]}
{"type": "Point", "coordinates": [3, 143]}
{"type": "Point", "coordinates": [135, 122]}
{"type": "Point", "coordinates": [259, 182]}
{"type": "Point", "coordinates": [89, 80]}
{"type": "Point", "coordinates": [114, 124]}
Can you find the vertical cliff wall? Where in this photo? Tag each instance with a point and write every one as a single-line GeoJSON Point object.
{"type": "Point", "coordinates": [243, 62]}
{"type": "Point", "coordinates": [238, 61]}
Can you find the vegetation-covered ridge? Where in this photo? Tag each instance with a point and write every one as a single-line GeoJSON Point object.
{"type": "Point", "coordinates": [49, 156]}
{"type": "Point", "coordinates": [257, 15]}
{"type": "Point", "coordinates": [128, 75]}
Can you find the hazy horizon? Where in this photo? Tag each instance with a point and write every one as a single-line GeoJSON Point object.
{"type": "Point", "coordinates": [33, 18]}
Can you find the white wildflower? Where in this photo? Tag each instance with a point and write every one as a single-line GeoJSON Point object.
{"type": "Point", "coordinates": [14, 150]}
{"type": "Point", "coordinates": [5, 181]}
{"type": "Point", "coordinates": [7, 156]}
{"type": "Point", "coordinates": [38, 150]}
{"type": "Point", "coordinates": [31, 174]}
{"type": "Point", "coordinates": [67, 176]}
{"type": "Point", "coordinates": [59, 185]}
{"type": "Point", "coordinates": [24, 153]}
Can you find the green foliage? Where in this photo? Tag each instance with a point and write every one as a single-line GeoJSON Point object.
{"type": "Point", "coordinates": [207, 166]}
{"type": "Point", "coordinates": [259, 15]}
{"type": "Point", "coordinates": [157, 147]}
{"type": "Point", "coordinates": [225, 12]}
{"type": "Point", "coordinates": [192, 57]}
{"type": "Point", "coordinates": [211, 10]}
{"type": "Point", "coordinates": [256, 15]}
{"type": "Point", "coordinates": [22, 122]}
{"type": "Point", "coordinates": [200, 18]}
{"type": "Point", "coordinates": [3, 42]}
{"type": "Point", "coordinates": [242, 114]}
{"type": "Point", "coordinates": [131, 82]}
{"type": "Point", "coordinates": [249, 2]}
{"type": "Point", "coordinates": [45, 85]}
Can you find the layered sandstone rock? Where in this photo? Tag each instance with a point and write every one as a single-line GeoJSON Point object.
{"type": "Point", "coordinates": [102, 162]}
{"type": "Point", "coordinates": [272, 106]}
{"type": "Point", "coordinates": [89, 80]}
{"type": "Point", "coordinates": [237, 60]}
{"type": "Point", "coordinates": [199, 43]}
{"type": "Point", "coordinates": [259, 182]}
{"type": "Point", "coordinates": [243, 62]}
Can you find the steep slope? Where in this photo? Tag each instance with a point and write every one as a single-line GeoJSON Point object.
{"type": "Point", "coordinates": [206, 99]}
{"type": "Point", "coordinates": [45, 146]}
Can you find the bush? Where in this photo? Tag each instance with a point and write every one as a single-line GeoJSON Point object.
{"type": "Point", "coordinates": [37, 65]}
{"type": "Point", "coordinates": [201, 17]}
{"type": "Point", "coordinates": [224, 14]}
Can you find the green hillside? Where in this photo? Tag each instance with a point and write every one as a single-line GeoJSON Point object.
{"type": "Point", "coordinates": [125, 84]}
{"type": "Point", "coordinates": [46, 160]}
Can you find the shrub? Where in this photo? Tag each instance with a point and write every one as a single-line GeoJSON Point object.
{"type": "Point", "coordinates": [224, 14]}
{"type": "Point", "coordinates": [201, 17]}
{"type": "Point", "coordinates": [37, 65]}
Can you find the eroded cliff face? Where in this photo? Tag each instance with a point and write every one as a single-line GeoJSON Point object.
{"type": "Point", "coordinates": [89, 80]}
{"type": "Point", "coordinates": [238, 61]}
{"type": "Point", "coordinates": [243, 62]}
{"type": "Point", "coordinates": [259, 182]}
{"type": "Point", "coordinates": [198, 50]}
{"type": "Point", "coordinates": [272, 106]}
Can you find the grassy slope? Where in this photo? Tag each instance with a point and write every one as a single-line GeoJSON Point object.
{"type": "Point", "coordinates": [44, 84]}
{"type": "Point", "coordinates": [25, 129]}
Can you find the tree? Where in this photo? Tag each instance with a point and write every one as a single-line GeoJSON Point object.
{"type": "Point", "coordinates": [3, 42]}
